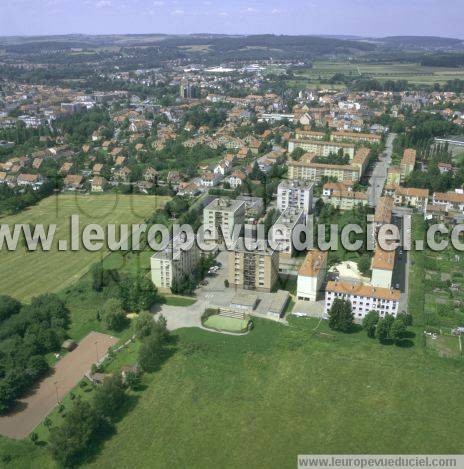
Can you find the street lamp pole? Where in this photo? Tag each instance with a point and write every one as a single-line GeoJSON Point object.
{"type": "Point", "coordinates": [56, 389]}
{"type": "Point", "coordinates": [96, 348]}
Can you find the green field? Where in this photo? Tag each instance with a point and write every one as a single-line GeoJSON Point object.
{"type": "Point", "coordinates": [261, 399]}
{"type": "Point", "coordinates": [414, 73]}
{"type": "Point", "coordinates": [25, 274]}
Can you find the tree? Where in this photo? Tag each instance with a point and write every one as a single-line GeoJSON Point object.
{"type": "Point", "coordinates": [383, 330]}
{"type": "Point", "coordinates": [151, 353]}
{"type": "Point", "coordinates": [109, 397]}
{"type": "Point", "coordinates": [143, 325]}
{"type": "Point", "coordinates": [69, 441]}
{"type": "Point", "coordinates": [137, 293]}
{"type": "Point", "coordinates": [8, 307]}
{"type": "Point", "coordinates": [364, 264]}
{"type": "Point", "coordinates": [397, 330]}
{"type": "Point", "coordinates": [369, 323]}
{"type": "Point", "coordinates": [101, 277]}
{"type": "Point", "coordinates": [34, 437]}
{"type": "Point", "coordinates": [341, 316]}
{"type": "Point", "coordinates": [406, 318]}
{"type": "Point", "coordinates": [113, 315]}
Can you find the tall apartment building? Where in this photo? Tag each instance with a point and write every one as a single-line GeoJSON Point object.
{"type": "Point", "coordinates": [253, 270]}
{"type": "Point", "coordinates": [282, 230]}
{"type": "Point", "coordinates": [295, 194]}
{"type": "Point", "coordinates": [407, 163]}
{"type": "Point", "coordinates": [188, 91]}
{"type": "Point", "coordinates": [220, 217]}
{"type": "Point", "coordinates": [363, 298]}
{"type": "Point", "coordinates": [311, 275]}
{"type": "Point", "coordinates": [173, 264]}
{"type": "Point", "coordinates": [321, 148]}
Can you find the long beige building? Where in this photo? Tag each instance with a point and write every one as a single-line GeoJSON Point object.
{"type": "Point", "coordinates": [321, 148]}
{"type": "Point", "coordinates": [307, 169]}
{"type": "Point", "coordinates": [254, 269]}
{"type": "Point", "coordinates": [342, 196]}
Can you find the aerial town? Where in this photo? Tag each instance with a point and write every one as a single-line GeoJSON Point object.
{"type": "Point", "coordinates": [165, 342]}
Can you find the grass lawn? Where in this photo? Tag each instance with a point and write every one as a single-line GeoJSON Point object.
{"type": "Point", "coordinates": [26, 274]}
{"type": "Point", "coordinates": [226, 324]}
{"type": "Point", "coordinates": [265, 397]}
{"type": "Point", "coordinates": [174, 300]}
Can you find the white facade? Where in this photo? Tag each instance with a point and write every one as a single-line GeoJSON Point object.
{"type": "Point", "coordinates": [363, 298]}
{"type": "Point", "coordinates": [220, 217]}
{"type": "Point", "coordinates": [295, 194]}
{"type": "Point", "coordinates": [172, 263]}
{"type": "Point", "coordinates": [311, 275]}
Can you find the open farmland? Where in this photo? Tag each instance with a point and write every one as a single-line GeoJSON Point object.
{"type": "Point", "coordinates": [323, 71]}
{"type": "Point", "coordinates": [26, 273]}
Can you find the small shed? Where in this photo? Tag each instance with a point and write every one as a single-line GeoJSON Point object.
{"type": "Point", "coordinates": [278, 304]}
{"type": "Point", "coordinates": [69, 345]}
{"type": "Point", "coordinates": [244, 302]}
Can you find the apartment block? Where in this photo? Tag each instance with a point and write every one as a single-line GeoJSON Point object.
{"type": "Point", "coordinates": [383, 263]}
{"type": "Point", "coordinates": [407, 163]}
{"type": "Point", "coordinates": [342, 196]}
{"type": "Point", "coordinates": [408, 196]}
{"type": "Point", "coordinates": [295, 194]}
{"type": "Point", "coordinates": [253, 270]}
{"type": "Point", "coordinates": [338, 136]}
{"type": "Point", "coordinates": [307, 169]}
{"type": "Point", "coordinates": [321, 148]}
{"type": "Point", "coordinates": [363, 298]}
{"type": "Point", "coordinates": [220, 217]}
{"type": "Point", "coordinates": [449, 201]}
{"type": "Point", "coordinates": [383, 214]}
{"type": "Point", "coordinates": [311, 275]}
{"type": "Point", "coordinates": [173, 263]}
{"type": "Point", "coordinates": [282, 230]}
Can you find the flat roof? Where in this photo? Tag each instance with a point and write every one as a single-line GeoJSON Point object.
{"type": "Point", "coordinates": [224, 204]}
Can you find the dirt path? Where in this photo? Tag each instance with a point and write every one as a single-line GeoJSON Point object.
{"type": "Point", "coordinates": [32, 409]}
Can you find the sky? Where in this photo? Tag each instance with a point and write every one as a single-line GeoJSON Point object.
{"type": "Point", "coordinates": [373, 18]}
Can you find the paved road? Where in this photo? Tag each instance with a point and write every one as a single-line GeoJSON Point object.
{"type": "Point", "coordinates": [379, 173]}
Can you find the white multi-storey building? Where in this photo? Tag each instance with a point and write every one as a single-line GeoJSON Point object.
{"type": "Point", "coordinates": [363, 298]}
{"type": "Point", "coordinates": [282, 230]}
{"type": "Point", "coordinates": [311, 275]}
{"type": "Point", "coordinates": [220, 217]}
{"type": "Point", "coordinates": [173, 264]}
{"type": "Point", "coordinates": [295, 194]}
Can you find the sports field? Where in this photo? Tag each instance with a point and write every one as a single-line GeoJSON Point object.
{"type": "Point", "coordinates": [29, 273]}
{"type": "Point", "coordinates": [226, 324]}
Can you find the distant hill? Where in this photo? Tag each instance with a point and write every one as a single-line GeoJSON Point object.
{"type": "Point", "coordinates": [422, 42]}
